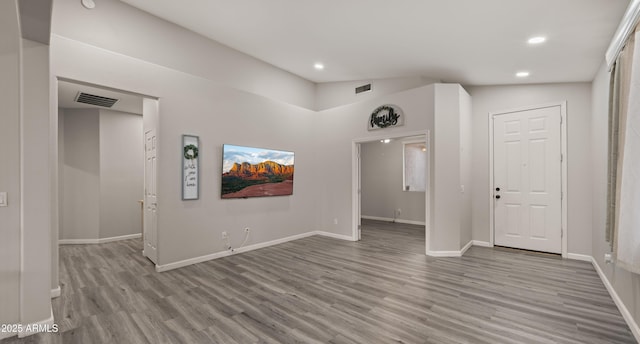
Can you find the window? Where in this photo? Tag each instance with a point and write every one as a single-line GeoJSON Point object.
{"type": "Point", "coordinates": [414, 166]}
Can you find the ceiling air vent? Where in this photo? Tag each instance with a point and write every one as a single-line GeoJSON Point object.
{"type": "Point", "coordinates": [92, 99]}
{"type": "Point", "coordinates": [363, 88]}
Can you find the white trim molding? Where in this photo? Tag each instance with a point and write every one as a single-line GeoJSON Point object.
{"type": "Point", "coordinates": [583, 257]}
{"type": "Point", "coordinates": [221, 254]}
{"type": "Point", "coordinates": [466, 247]}
{"type": "Point", "coordinates": [442, 254]}
{"type": "Point", "coordinates": [47, 325]}
{"type": "Point", "coordinates": [56, 292]}
{"type": "Point", "coordinates": [98, 241]}
{"type": "Point", "coordinates": [633, 326]}
{"type": "Point", "coordinates": [77, 241]}
{"type": "Point", "coordinates": [635, 329]}
{"type": "Point", "coordinates": [335, 236]}
{"type": "Point", "coordinates": [482, 243]}
{"type": "Point", "coordinates": [627, 24]}
{"type": "Point", "coordinates": [388, 219]}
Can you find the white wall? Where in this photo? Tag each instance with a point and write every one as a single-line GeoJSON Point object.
{"type": "Point", "coordinates": [381, 184]}
{"type": "Point", "coordinates": [25, 246]}
{"type": "Point", "coordinates": [334, 94]}
{"type": "Point", "coordinates": [10, 166]}
{"type": "Point", "coordinates": [488, 99]}
{"type": "Point", "coordinates": [217, 115]}
{"type": "Point", "coordinates": [190, 102]}
{"type": "Point", "coordinates": [121, 173]}
{"type": "Point", "coordinates": [466, 158]}
{"type": "Point", "coordinates": [55, 180]}
{"type": "Point", "coordinates": [626, 284]}
{"type": "Point", "coordinates": [80, 172]}
{"type": "Point", "coordinates": [227, 97]}
{"type": "Point", "coordinates": [102, 178]}
{"type": "Point", "coordinates": [131, 32]}
{"type": "Point", "coordinates": [451, 211]}
{"type": "Point", "coordinates": [36, 235]}
{"type": "Point", "coordinates": [59, 170]}
{"type": "Point", "coordinates": [345, 124]}
{"type": "Point", "coordinates": [435, 108]}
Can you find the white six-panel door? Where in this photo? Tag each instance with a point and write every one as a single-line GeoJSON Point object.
{"type": "Point", "coordinates": [151, 197]}
{"type": "Point", "coordinates": [527, 177]}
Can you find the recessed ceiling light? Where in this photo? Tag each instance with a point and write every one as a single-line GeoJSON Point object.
{"type": "Point", "coordinates": [537, 40]}
{"type": "Point", "coordinates": [522, 74]}
{"type": "Point", "coordinates": [318, 66]}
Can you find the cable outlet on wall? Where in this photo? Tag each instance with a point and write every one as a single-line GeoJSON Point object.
{"type": "Point", "coordinates": [225, 235]}
{"type": "Point", "coordinates": [246, 229]}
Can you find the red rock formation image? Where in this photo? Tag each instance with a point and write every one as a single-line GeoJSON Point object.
{"type": "Point", "coordinates": [266, 178]}
{"type": "Point", "coordinates": [260, 171]}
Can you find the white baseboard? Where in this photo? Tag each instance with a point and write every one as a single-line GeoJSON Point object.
{"type": "Point", "coordinates": [335, 236]}
{"type": "Point", "coordinates": [46, 325]}
{"type": "Point", "coordinates": [388, 219]}
{"type": "Point", "coordinates": [200, 259]}
{"type": "Point", "coordinates": [444, 253]}
{"type": "Point", "coordinates": [635, 329]}
{"type": "Point", "coordinates": [191, 261]}
{"type": "Point", "coordinates": [481, 243]}
{"type": "Point", "coordinates": [98, 241]}
{"type": "Point", "coordinates": [465, 248]}
{"type": "Point", "coordinates": [451, 253]}
{"type": "Point", "coordinates": [55, 292]}
{"type": "Point", "coordinates": [118, 238]}
{"type": "Point", "coordinates": [583, 257]}
{"type": "Point", "coordinates": [77, 241]}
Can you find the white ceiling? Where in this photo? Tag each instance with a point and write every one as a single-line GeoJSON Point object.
{"type": "Point", "coordinates": [67, 92]}
{"type": "Point", "coordinates": [473, 42]}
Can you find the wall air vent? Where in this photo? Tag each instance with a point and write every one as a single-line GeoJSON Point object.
{"type": "Point", "coordinates": [92, 99]}
{"type": "Point", "coordinates": [363, 88]}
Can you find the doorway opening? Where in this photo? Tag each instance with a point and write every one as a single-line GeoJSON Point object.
{"type": "Point", "coordinates": [390, 181]}
{"type": "Point", "coordinates": [101, 179]}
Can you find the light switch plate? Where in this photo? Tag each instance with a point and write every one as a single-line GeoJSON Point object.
{"type": "Point", "coordinates": [3, 199]}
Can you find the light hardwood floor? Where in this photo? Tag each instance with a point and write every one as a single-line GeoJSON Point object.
{"type": "Point", "coordinates": [322, 290]}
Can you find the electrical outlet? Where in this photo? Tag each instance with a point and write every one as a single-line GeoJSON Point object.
{"type": "Point", "coordinates": [225, 235]}
{"type": "Point", "coordinates": [3, 199]}
{"type": "Point", "coordinates": [335, 221]}
{"type": "Point", "coordinates": [399, 211]}
{"type": "Point", "coordinates": [608, 258]}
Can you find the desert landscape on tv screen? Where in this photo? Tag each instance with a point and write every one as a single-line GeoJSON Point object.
{"type": "Point", "coordinates": [256, 172]}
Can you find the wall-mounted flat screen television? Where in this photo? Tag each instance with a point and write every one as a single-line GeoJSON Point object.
{"type": "Point", "coordinates": [256, 172]}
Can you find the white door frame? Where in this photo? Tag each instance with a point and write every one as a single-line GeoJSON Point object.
{"type": "Point", "coordinates": [355, 180]}
{"type": "Point", "coordinates": [563, 149]}
{"type": "Point", "coordinates": [53, 146]}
